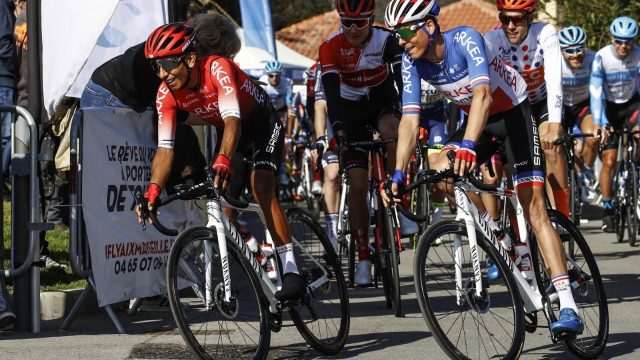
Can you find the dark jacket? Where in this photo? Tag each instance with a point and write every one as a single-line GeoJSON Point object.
{"type": "Point", "coordinates": [7, 45]}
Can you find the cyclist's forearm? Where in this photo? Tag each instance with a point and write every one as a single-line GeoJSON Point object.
{"type": "Point", "coordinates": [320, 118]}
{"type": "Point", "coordinates": [407, 134]}
{"type": "Point", "coordinates": [479, 112]}
{"type": "Point", "coordinates": [161, 166]}
{"type": "Point", "coordinates": [232, 131]}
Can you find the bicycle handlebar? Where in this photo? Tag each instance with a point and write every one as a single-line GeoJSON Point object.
{"type": "Point", "coordinates": [184, 193]}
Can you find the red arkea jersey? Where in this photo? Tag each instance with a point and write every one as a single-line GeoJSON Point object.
{"type": "Point", "coordinates": [224, 91]}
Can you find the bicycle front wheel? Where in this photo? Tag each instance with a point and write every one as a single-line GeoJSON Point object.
{"type": "Point", "coordinates": [467, 326]}
{"type": "Point", "coordinates": [212, 327]}
{"type": "Point", "coordinates": [632, 198]}
{"type": "Point", "coordinates": [323, 316]}
{"type": "Point", "coordinates": [588, 292]}
{"type": "Point", "coordinates": [392, 256]}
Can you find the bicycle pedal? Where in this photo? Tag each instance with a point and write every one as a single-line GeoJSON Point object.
{"type": "Point", "coordinates": [564, 336]}
{"type": "Point", "coordinates": [287, 305]}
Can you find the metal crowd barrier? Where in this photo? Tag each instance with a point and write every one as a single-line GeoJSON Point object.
{"type": "Point", "coordinates": [21, 165]}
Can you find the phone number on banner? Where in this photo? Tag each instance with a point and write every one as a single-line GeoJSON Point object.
{"type": "Point", "coordinates": [146, 263]}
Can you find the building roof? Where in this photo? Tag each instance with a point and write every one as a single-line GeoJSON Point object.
{"type": "Point", "coordinates": [306, 36]}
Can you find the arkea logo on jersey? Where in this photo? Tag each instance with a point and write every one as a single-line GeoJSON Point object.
{"type": "Point", "coordinates": [163, 92]}
{"type": "Point", "coordinates": [250, 88]}
{"type": "Point", "coordinates": [470, 45]}
{"type": "Point", "coordinates": [504, 72]}
{"type": "Point", "coordinates": [221, 75]}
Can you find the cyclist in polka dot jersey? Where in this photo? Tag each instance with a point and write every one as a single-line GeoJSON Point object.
{"type": "Point", "coordinates": [532, 49]}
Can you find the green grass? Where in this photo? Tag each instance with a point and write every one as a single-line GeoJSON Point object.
{"type": "Point", "coordinates": [53, 279]}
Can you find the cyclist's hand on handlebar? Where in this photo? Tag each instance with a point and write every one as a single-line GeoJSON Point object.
{"type": "Point", "coordinates": [466, 159]}
{"type": "Point", "coordinates": [392, 188]}
{"type": "Point", "coordinates": [221, 172]}
{"type": "Point", "coordinates": [604, 134]}
{"type": "Point", "coordinates": [320, 146]}
{"type": "Point", "coordinates": [147, 203]}
{"type": "Point", "coordinates": [549, 138]}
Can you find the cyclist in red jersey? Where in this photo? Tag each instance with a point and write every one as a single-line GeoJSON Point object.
{"type": "Point", "coordinates": [218, 93]}
{"type": "Point", "coordinates": [361, 74]}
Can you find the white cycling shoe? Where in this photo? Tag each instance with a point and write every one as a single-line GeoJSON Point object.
{"type": "Point", "coordinates": [316, 187]}
{"type": "Point", "coordinates": [363, 273]}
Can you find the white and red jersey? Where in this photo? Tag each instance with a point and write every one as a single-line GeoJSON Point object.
{"type": "Point", "coordinates": [224, 90]}
{"type": "Point", "coordinates": [362, 70]}
{"type": "Point", "coordinates": [538, 60]}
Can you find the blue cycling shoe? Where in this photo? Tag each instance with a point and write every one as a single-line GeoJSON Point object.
{"type": "Point", "coordinates": [493, 273]}
{"type": "Point", "coordinates": [569, 322]}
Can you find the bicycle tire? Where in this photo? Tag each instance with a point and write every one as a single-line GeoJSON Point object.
{"type": "Point", "coordinates": [619, 208]}
{"type": "Point", "coordinates": [447, 230]}
{"type": "Point", "coordinates": [315, 328]}
{"type": "Point", "coordinates": [181, 269]}
{"type": "Point", "coordinates": [632, 196]}
{"type": "Point", "coordinates": [598, 330]}
{"type": "Point", "coordinates": [382, 258]}
{"type": "Point", "coordinates": [574, 197]}
{"type": "Point", "coordinates": [391, 232]}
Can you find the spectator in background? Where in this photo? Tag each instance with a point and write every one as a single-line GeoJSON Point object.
{"type": "Point", "coordinates": [7, 79]}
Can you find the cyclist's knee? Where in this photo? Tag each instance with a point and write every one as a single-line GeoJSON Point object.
{"type": "Point", "coordinates": [264, 184]}
{"type": "Point", "coordinates": [331, 173]}
{"type": "Point", "coordinates": [608, 159]}
{"type": "Point", "coordinates": [388, 127]}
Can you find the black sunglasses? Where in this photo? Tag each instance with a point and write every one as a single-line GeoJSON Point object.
{"type": "Point", "coordinates": [168, 64]}
{"type": "Point", "coordinates": [622, 41]}
{"type": "Point", "coordinates": [273, 75]}
{"type": "Point", "coordinates": [516, 20]}
{"type": "Point", "coordinates": [573, 51]}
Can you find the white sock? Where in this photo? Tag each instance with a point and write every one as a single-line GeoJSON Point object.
{"type": "Point", "coordinates": [563, 288]}
{"type": "Point", "coordinates": [285, 253]}
{"type": "Point", "coordinates": [437, 215]}
{"type": "Point", "coordinates": [331, 221]}
{"type": "Point", "coordinates": [492, 224]}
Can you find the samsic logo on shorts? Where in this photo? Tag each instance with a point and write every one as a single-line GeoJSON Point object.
{"type": "Point", "coordinates": [274, 138]}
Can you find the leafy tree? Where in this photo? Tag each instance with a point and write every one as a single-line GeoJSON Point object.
{"type": "Point", "coordinates": [593, 16]}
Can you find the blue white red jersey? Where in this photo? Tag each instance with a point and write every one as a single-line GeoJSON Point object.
{"type": "Point", "coordinates": [538, 60]}
{"type": "Point", "coordinates": [431, 99]}
{"type": "Point", "coordinates": [281, 95]}
{"type": "Point", "coordinates": [466, 65]}
{"type": "Point", "coordinates": [613, 79]}
{"type": "Point", "coordinates": [575, 82]}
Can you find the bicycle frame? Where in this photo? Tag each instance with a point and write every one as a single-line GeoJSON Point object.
{"type": "Point", "coordinates": [530, 294]}
{"type": "Point", "coordinates": [226, 230]}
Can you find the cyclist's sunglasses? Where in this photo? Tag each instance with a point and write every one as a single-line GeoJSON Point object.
{"type": "Point", "coordinates": [359, 23]}
{"type": "Point", "coordinates": [273, 75]}
{"type": "Point", "coordinates": [516, 20]}
{"type": "Point", "coordinates": [168, 64]}
{"type": "Point", "coordinates": [574, 51]}
{"type": "Point", "coordinates": [407, 33]}
{"type": "Point", "coordinates": [622, 41]}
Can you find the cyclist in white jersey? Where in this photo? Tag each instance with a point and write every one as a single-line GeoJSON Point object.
{"type": "Point", "coordinates": [531, 48]}
{"type": "Point", "coordinates": [614, 98]}
{"type": "Point", "coordinates": [280, 91]}
{"type": "Point", "coordinates": [475, 79]}
{"type": "Point", "coordinates": [576, 71]}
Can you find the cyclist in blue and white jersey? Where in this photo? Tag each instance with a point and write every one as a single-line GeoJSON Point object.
{"type": "Point", "coordinates": [576, 72]}
{"type": "Point", "coordinates": [457, 63]}
{"type": "Point", "coordinates": [433, 119]}
{"type": "Point", "coordinates": [531, 48]}
{"type": "Point", "coordinates": [614, 98]}
{"type": "Point", "coordinates": [280, 91]}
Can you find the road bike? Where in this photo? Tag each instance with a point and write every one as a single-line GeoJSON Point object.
{"type": "Point", "coordinates": [474, 318]}
{"type": "Point", "coordinates": [625, 183]}
{"type": "Point", "coordinates": [222, 295]}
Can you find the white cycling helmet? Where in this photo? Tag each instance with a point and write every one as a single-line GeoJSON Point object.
{"type": "Point", "coordinates": [571, 36]}
{"type": "Point", "coordinates": [400, 12]}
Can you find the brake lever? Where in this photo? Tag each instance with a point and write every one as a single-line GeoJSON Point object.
{"type": "Point", "coordinates": [144, 210]}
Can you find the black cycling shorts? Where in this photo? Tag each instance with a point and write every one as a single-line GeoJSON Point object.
{"type": "Point", "coordinates": [622, 114]}
{"type": "Point", "coordinates": [574, 114]}
{"type": "Point", "coordinates": [518, 132]}
{"type": "Point", "coordinates": [263, 142]}
{"type": "Point", "coordinates": [540, 111]}
{"type": "Point", "coordinates": [360, 119]}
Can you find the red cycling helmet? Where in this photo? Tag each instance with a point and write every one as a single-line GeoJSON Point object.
{"type": "Point", "coordinates": [170, 40]}
{"type": "Point", "coordinates": [355, 8]}
{"type": "Point", "coordinates": [526, 5]}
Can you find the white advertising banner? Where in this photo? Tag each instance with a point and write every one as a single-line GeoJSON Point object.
{"type": "Point", "coordinates": [117, 148]}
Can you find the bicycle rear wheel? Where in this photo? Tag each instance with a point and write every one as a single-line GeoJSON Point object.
{"type": "Point", "coordinates": [588, 292]}
{"type": "Point", "coordinates": [620, 208]}
{"type": "Point", "coordinates": [323, 316]}
{"type": "Point", "coordinates": [464, 325]}
{"type": "Point", "coordinates": [214, 328]}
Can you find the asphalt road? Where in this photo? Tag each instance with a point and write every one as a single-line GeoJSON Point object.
{"type": "Point", "coordinates": [374, 333]}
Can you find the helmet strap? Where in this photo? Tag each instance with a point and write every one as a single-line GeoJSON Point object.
{"type": "Point", "coordinates": [432, 37]}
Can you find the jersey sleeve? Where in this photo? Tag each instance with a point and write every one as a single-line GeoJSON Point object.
{"type": "Point", "coordinates": [595, 91]}
{"type": "Point", "coordinates": [410, 87]}
{"type": "Point", "coordinates": [166, 107]}
{"type": "Point", "coordinates": [224, 79]}
{"type": "Point", "coordinates": [552, 72]}
{"type": "Point", "coordinates": [328, 61]}
{"type": "Point", "coordinates": [471, 46]}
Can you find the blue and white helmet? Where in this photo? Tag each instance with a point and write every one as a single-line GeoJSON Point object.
{"type": "Point", "coordinates": [273, 67]}
{"type": "Point", "coordinates": [624, 27]}
{"type": "Point", "coordinates": [572, 36]}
